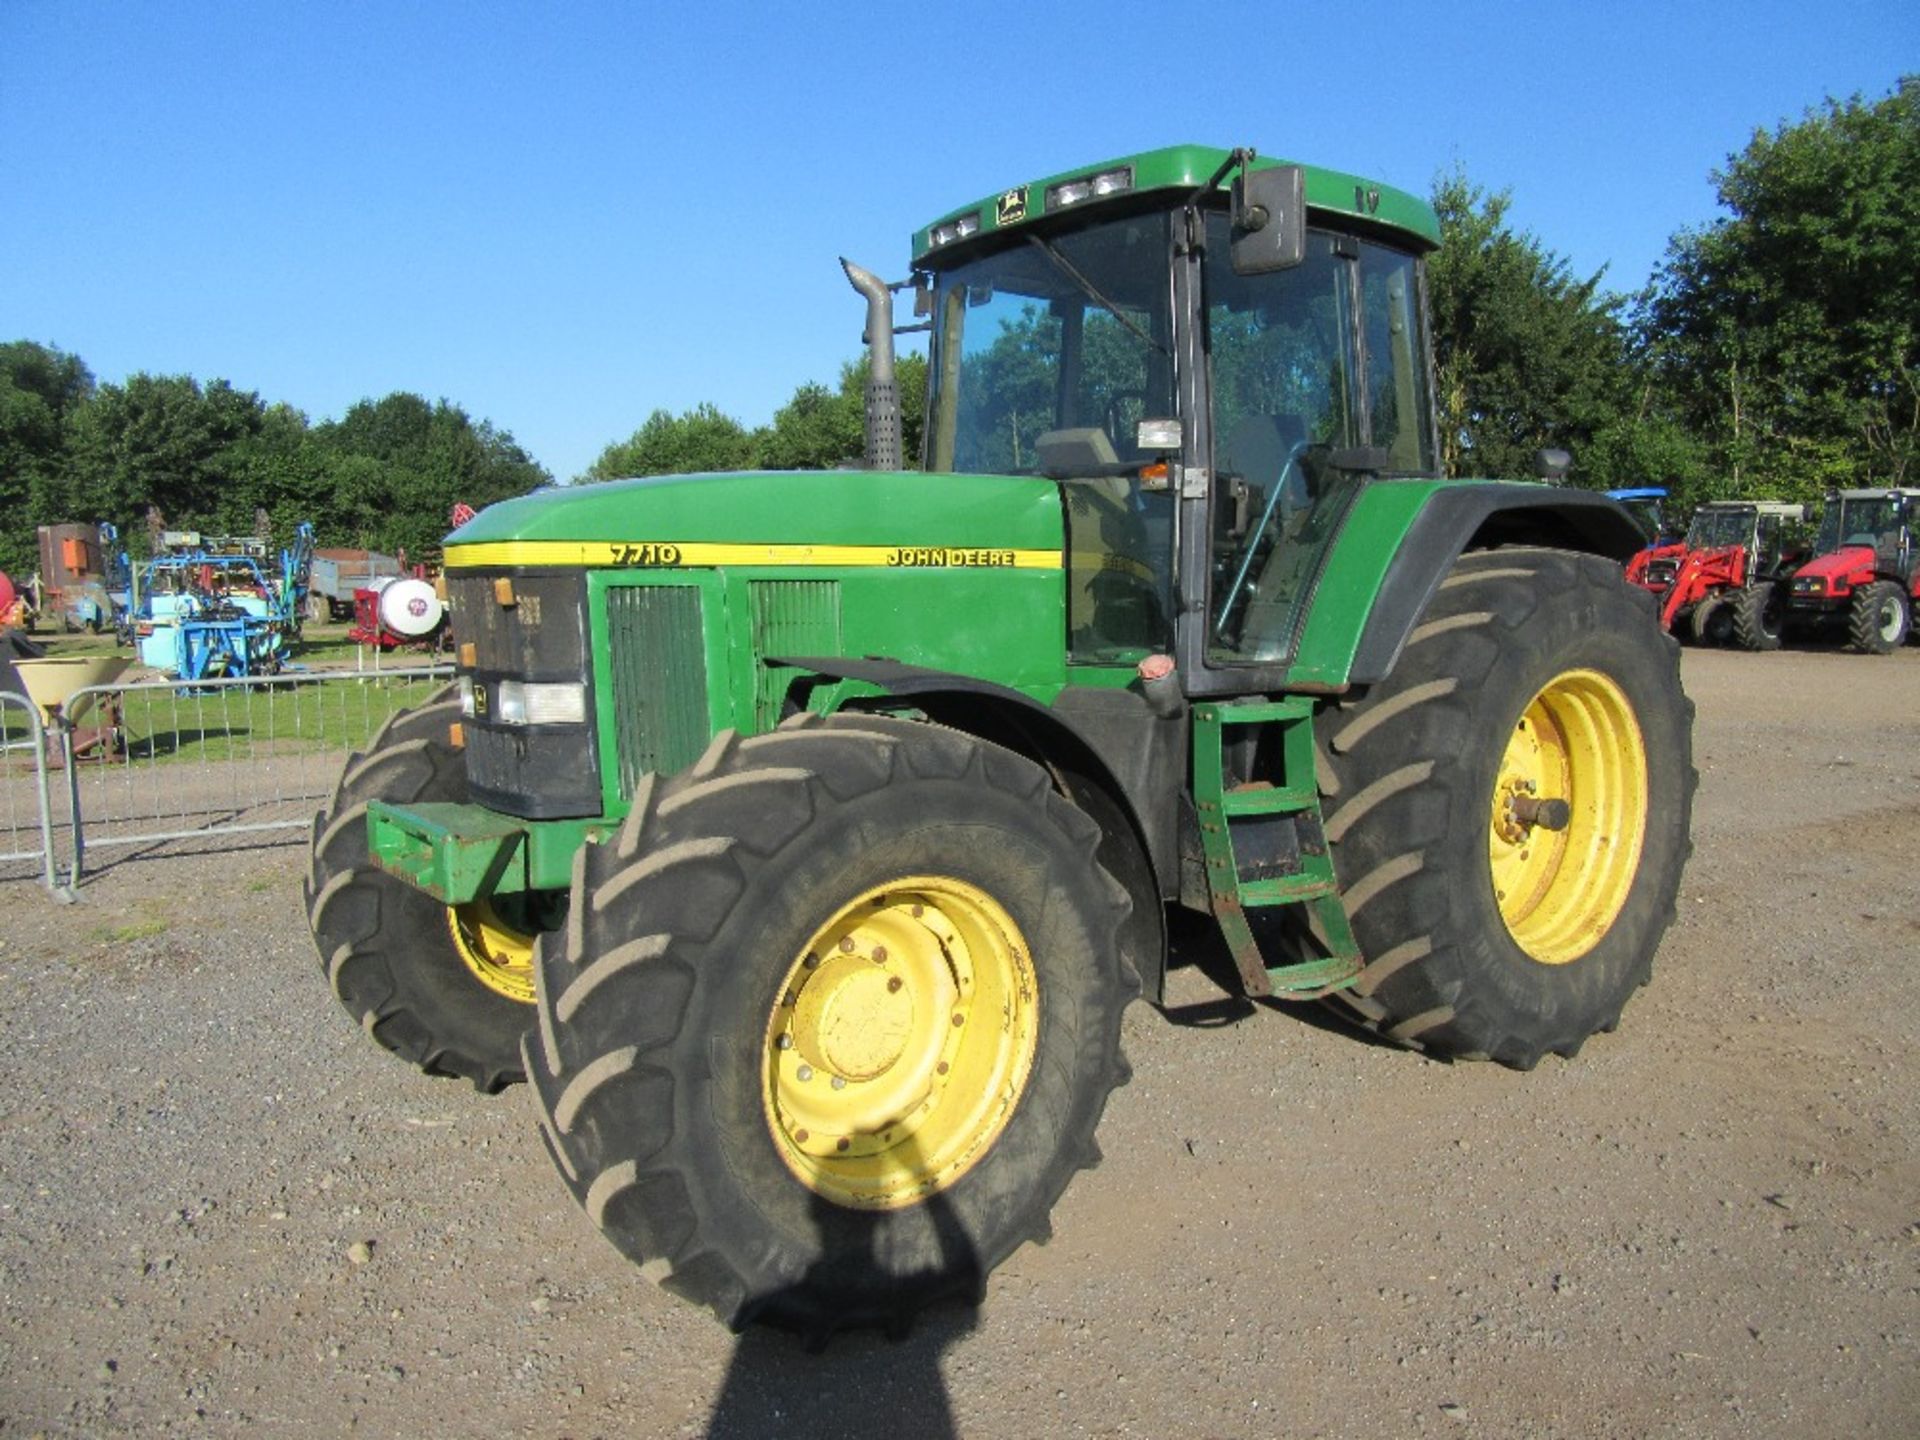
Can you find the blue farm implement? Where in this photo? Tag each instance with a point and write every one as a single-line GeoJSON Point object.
{"type": "Point", "coordinates": [213, 609]}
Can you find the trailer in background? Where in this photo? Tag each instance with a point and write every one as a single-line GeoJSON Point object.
{"type": "Point", "coordinates": [337, 574]}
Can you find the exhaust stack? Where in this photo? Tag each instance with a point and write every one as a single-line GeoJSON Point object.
{"type": "Point", "coordinates": [883, 398]}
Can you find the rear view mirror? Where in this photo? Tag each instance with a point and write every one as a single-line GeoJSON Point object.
{"type": "Point", "coordinates": [1269, 218]}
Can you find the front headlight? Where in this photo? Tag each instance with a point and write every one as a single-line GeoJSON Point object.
{"type": "Point", "coordinates": [523, 702]}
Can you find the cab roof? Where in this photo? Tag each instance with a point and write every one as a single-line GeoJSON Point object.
{"type": "Point", "coordinates": [1187, 167]}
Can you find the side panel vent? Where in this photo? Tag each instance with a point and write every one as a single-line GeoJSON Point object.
{"type": "Point", "coordinates": [658, 659]}
{"type": "Point", "coordinates": [790, 617]}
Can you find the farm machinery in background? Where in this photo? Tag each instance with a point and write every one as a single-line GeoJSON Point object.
{"type": "Point", "coordinates": [209, 606]}
{"type": "Point", "coordinates": [83, 582]}
{"type": "Point", "coordinates": [401, 610]}
{"type": "Point", "coordinates": [394, 604]}
{"type": "Point", "coordinates": [1862, 577]}
{"type": "Point", "coordinates": [1726, 580]}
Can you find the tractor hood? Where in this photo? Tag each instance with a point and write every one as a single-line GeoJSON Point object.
{"type": "Point", "coordinates": [1848, 563]}
{"type": "Point", "coordinates": [636, 522]}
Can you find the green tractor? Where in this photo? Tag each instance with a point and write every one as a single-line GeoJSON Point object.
{"type": "Point", "coordinates": [801, 838]}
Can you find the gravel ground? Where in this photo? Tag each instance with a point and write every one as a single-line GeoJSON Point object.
{"type": "Point", "coordinates": [224, 1212]}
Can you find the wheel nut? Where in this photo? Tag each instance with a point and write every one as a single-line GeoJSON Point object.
{"type": "Point", "coordinates": [918, 911]}
{"type": "Point", "coordinates": [843, 1144]}
{"type": "Point", "coordinates": [805, 1072]}
{"type": "Point", "coordinates": [812, 962]}
{"type": "Point", "coordinates": [959, 1019]}
{"type": "Point", "coordinates": [846, 944]}
{"type": "Point", "coordinates": [839, 1082]}
{"type": "Point", "coordinates": [893, 985]}
{"type": "Point", "coordinates": [879, 954]}
{"type": "Point", "coordinates": [785, 1042]}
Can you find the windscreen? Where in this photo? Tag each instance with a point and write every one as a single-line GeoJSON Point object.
{"type": "Point", "coordinates": [1713, 529]}
{"type": "Point", "coordinates": [1048, 354]}
{"type": "Point", "coordinates": [1069, 334]}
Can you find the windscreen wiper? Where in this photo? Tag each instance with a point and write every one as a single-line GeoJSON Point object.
{"type": "Point", "coordinates": [1072, 272]}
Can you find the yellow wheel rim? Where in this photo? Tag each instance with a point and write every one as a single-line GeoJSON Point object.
{"type": "Point", "coordinates": [500, 956]}
{"type": "Point", "coordinates": [1560, 889]}
{"type": "Point", "coordinates": [900, 1043]}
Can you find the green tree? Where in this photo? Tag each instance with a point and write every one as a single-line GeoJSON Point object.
{"type": "Point", "coordinates": [820, 428]}
{"type": "Point", "coordinates": [1526, 355]}
{"type": "Point", "coordinates": [1789, 329]}
{"type": "Point", "coordinates": [701, 440]}
{"type": "Point", "coordinates": [160, 440]}
{"type": "Point", "coordinates": [283, 469]}
{"type": "Point", "coordinates": [400, 465]}
{"type": "Point", "coordinates": [39, 388]}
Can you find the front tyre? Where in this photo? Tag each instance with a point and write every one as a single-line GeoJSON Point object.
{"type": "Point", "coordinates": [1759, 616]}
{"type": "Point", "coordinates": [1509, 810]}
{"type": "Point", "coordinates": [834, 1021]}
{"type": "Point", "coordinates": [1878, 618]}
{"type": "Point", "coordinates": [1710, 623]}
{"type": "Point", "coordinates": [446, 988]}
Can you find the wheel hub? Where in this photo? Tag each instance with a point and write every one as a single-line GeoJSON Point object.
{"type": "Point", "coordinates": [499, 954]}
{"type": "Point", "coordinates": [1562, 867]}
{"type": "Point", "coordinates": [853, 1018]}
{"type": "Point", "coordinates": [900, 1043]}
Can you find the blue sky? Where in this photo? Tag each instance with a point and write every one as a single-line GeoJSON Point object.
{"type": "Point", "coordinates": [564, 216]}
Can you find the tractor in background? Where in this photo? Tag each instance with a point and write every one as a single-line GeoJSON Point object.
{"type": "Point", "coordinates": [1727, 579]}
{"type": "Point", "coordinates": [1647, 505]}
{"type": "Point", "coordinates": [1862, 579]}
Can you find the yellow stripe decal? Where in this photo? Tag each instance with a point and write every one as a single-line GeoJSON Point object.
{"type": "Point", "coordinates": [688, 555]}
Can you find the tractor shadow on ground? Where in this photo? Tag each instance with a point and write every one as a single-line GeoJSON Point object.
{"type": "Point", "coordinates": [1194, 942]}
{"type": "Point", "coordinates": [856, 1382]}
{"type": "Point", "coordinates": [862, 1384]}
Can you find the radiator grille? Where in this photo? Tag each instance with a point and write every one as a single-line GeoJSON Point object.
{"type": "Point", "coordinates": [790, 617]}
{"type": "Point", "coordinates": [658, 660]}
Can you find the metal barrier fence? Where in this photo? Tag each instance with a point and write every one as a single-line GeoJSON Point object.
{"type": "Point", "coordinates": [25, 799]}
{"type": "Point", "coordinates": [169, 767]}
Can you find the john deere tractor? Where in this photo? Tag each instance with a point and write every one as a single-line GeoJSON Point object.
{"type": "Point", "coordinates": [800, 838]}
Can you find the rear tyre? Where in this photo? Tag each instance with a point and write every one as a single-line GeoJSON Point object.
{"type": "Point", "coordinates": [1879, 618]}
{"type": "Point", "coordinates": [446, 988]}
{"type": "Point", "coordinates": [1534, 677]}
{"type": "Point", "coordinates": [833, 1021]}
{"type": "Point", "coordinates": [1759, 616]}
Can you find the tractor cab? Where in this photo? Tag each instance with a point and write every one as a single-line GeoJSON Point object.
{"type": "Point", "coordinates": [1764, 529]}
{"type": "Point", "coordinates": [1877, 521]}
{"type": "Point", "coordinates": [1211, 406]}
{"type": "Point", "coordinates": [1647, 505]}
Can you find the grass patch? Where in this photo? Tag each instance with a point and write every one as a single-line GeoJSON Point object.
{"type": "Point", "coordinates": [235, 722]}
{"type": "Point", "coordinates": [131, 931]}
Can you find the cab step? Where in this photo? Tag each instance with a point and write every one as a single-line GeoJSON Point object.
{"type": "Point", "coordinates": [1265, 845]}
